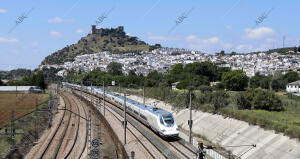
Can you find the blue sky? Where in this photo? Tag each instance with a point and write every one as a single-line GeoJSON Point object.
{"type": "Point", "coordinates": [211, 26]}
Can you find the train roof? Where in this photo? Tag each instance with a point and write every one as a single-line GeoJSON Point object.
{"type": "Point", "coordinates": [152, 109]}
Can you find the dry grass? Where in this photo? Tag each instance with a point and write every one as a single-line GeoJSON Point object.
{"type": "Point", "coordinates": [21, 105]}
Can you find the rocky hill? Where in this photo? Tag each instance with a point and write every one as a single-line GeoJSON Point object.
{"type": "Point", "coordinates": [114, 40]}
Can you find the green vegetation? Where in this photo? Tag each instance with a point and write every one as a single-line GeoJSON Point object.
{"type": "Point", "coordinates": [235, 80]}
{"type": "Point", "coordinates": [257, 107]}
{"type": "Point", "coordinates": [153, 47]}
{"type": "Point", "coordinates": [277, 82]}
{"type": "Point", "coordinates": [113, 40]}
{"type": "Point", "coordinates": [16, 74]}
{"type": "Point", "coordinates": [282, 50]}
{"type": "Point", "coordinates": [114, 68]}
{"type": "Point", "coordinates": [191, 75]}
{"type": "Point", "coordinates": [31, 80]}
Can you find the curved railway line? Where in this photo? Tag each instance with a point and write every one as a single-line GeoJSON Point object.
{"type": "Point", "coordinates": [62, 141]}
{"type": "Point", "coordinates": [169, 149]}
{"type": "Point", "coordinates": [117, 116]}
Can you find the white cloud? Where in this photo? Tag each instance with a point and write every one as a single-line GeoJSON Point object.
{"type": "Point", "coordinates": [195, 39]}
{"type": "Point", "coordinates": [59, 20]}
{"type": "Point", "coordinates": [228, 27]}
{"type": "Point", "coordinates": [8, 40]}
{"type": "Point", "coordinates": [161, 38]}
{"type": "Point", "coordinates": [244, 48]}
{"type": "Point", "coordinates": [55, 34]}
{"type": "Point", "coordinates": [79, 31]}
{"type": "Point", "coordinates": [201, 44]}
{"type": "Point", "coordinates": [259, 33]}
{"type": "Point", "coordinates": [3, 11]}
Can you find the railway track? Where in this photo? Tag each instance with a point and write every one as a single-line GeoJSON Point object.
{"type": "Point", "coordinates": [133, 132]}
{"type": "Point", "coordinates": [177, 148]}
{"type": "Point", "coordinates": [64, 140]}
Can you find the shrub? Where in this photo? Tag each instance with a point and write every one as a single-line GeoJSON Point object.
{"type": "Point", "coordinates": [266, 100]}
{"type": "Point", "coordinates": [219, 100]}
{"type": "Point", "coordinates": [204, 88]}
{"type": "Point", "coordinates": [243, 100]}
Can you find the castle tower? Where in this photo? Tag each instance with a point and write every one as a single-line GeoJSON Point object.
{"type": "Point", "coordinates": [121, 28]}
{"type": "Point", "coordinates": [93, 29]}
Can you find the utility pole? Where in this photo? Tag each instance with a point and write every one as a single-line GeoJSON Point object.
{"type": "Point", "coordinates": [89, 130]}
{"type": "Point", "coordinates": [81, 87]}
{"type": "Point", "coordinates": [50, 103]}
{"type": "Point", "coordinates": [144, 96]}
{"type": "Point", "coordinates": [125, 122]}
{"type": "Point", "coordinates": [36, 119]}
{"type": "Point", "coordinates": [190, 122]}
{"type": "Point", "coordinates": [103, 99]}
{"type": "Point", "coordinates": [16, 90]}
{"type": "Point", "coordinates": [201, 152]}
{"type": "Point", "coordinates": [12, 130]}
{"type": "Point", "coordinates": [91, 93]}
{"type": "Point", "coordinates": [120, 88]}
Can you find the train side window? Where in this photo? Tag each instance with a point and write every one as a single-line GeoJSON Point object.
{"type": "Point", "coordinates": [143, 117]}
{"type": "Point", "coordinates": [136, 112]}
{"type": "Point", "coordinates": [161, 120]}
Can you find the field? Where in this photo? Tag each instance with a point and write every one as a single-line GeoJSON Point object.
{"type": "Point", "coordinates": [21, 105]}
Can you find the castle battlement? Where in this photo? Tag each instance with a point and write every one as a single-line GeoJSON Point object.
{"type": "Point", "coordinates": [94, 29]}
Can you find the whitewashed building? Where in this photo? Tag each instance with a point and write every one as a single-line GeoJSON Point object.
{"type": "Point", "coordinates": [293, 87]}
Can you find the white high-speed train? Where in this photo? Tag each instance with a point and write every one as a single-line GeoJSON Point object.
{"type": "Point", "coordinates": [160, 121]}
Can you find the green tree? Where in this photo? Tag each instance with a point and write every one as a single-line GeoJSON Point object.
{"type": "Point", "coordinates": [153, 47]}
{"type": "Point", "coordinates": [205, 88]}
{"type": "Point", "coordinates": [219, 100]}
{"type": "Point", "coordinates": [265, 83]}
{"type": "Point", "coordinates": [39, 80]}
{"type": "Point", "coordinates": [131, 73]}
{"type": "Point", "coordinates": [176, 69]}
{"type": "Point", "coordinates": [243, 100]}
{"type": "Point", "coordinates": [255, 80]}
{"type": "Point", "coordinates": [299, 49]}
{"type": "Point", "coordinates": [1, 83]}
{"type": "Point", "coordinates": [291, 77]}
{"type": "Point", "coordinates": [235, 80]}
{"type": "Point", "coordinates": [114, 68]}
{"type": "Point", "coordinates": [207, 69]}
{"type": "Point", "coordinates": [267, 100]}
{"type": "Point", "coordinates": [155, 76]}
{"type": "Point", "coordinates": [278, 82]}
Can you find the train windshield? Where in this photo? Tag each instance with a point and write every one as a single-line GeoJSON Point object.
{"type": "Point", "coordinates": [168, 120]}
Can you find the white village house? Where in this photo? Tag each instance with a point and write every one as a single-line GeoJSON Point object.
{"type": "Point", "coordinates": [293, 87]}
{"type": "Point", "coordinates": [25, 89]}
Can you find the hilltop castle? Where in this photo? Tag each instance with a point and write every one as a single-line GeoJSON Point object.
{"type": "Point", "coordinates": [94, 30]}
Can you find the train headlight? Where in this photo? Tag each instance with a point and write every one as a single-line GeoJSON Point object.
{"type": "Point", "coordinates": [163, 130]}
